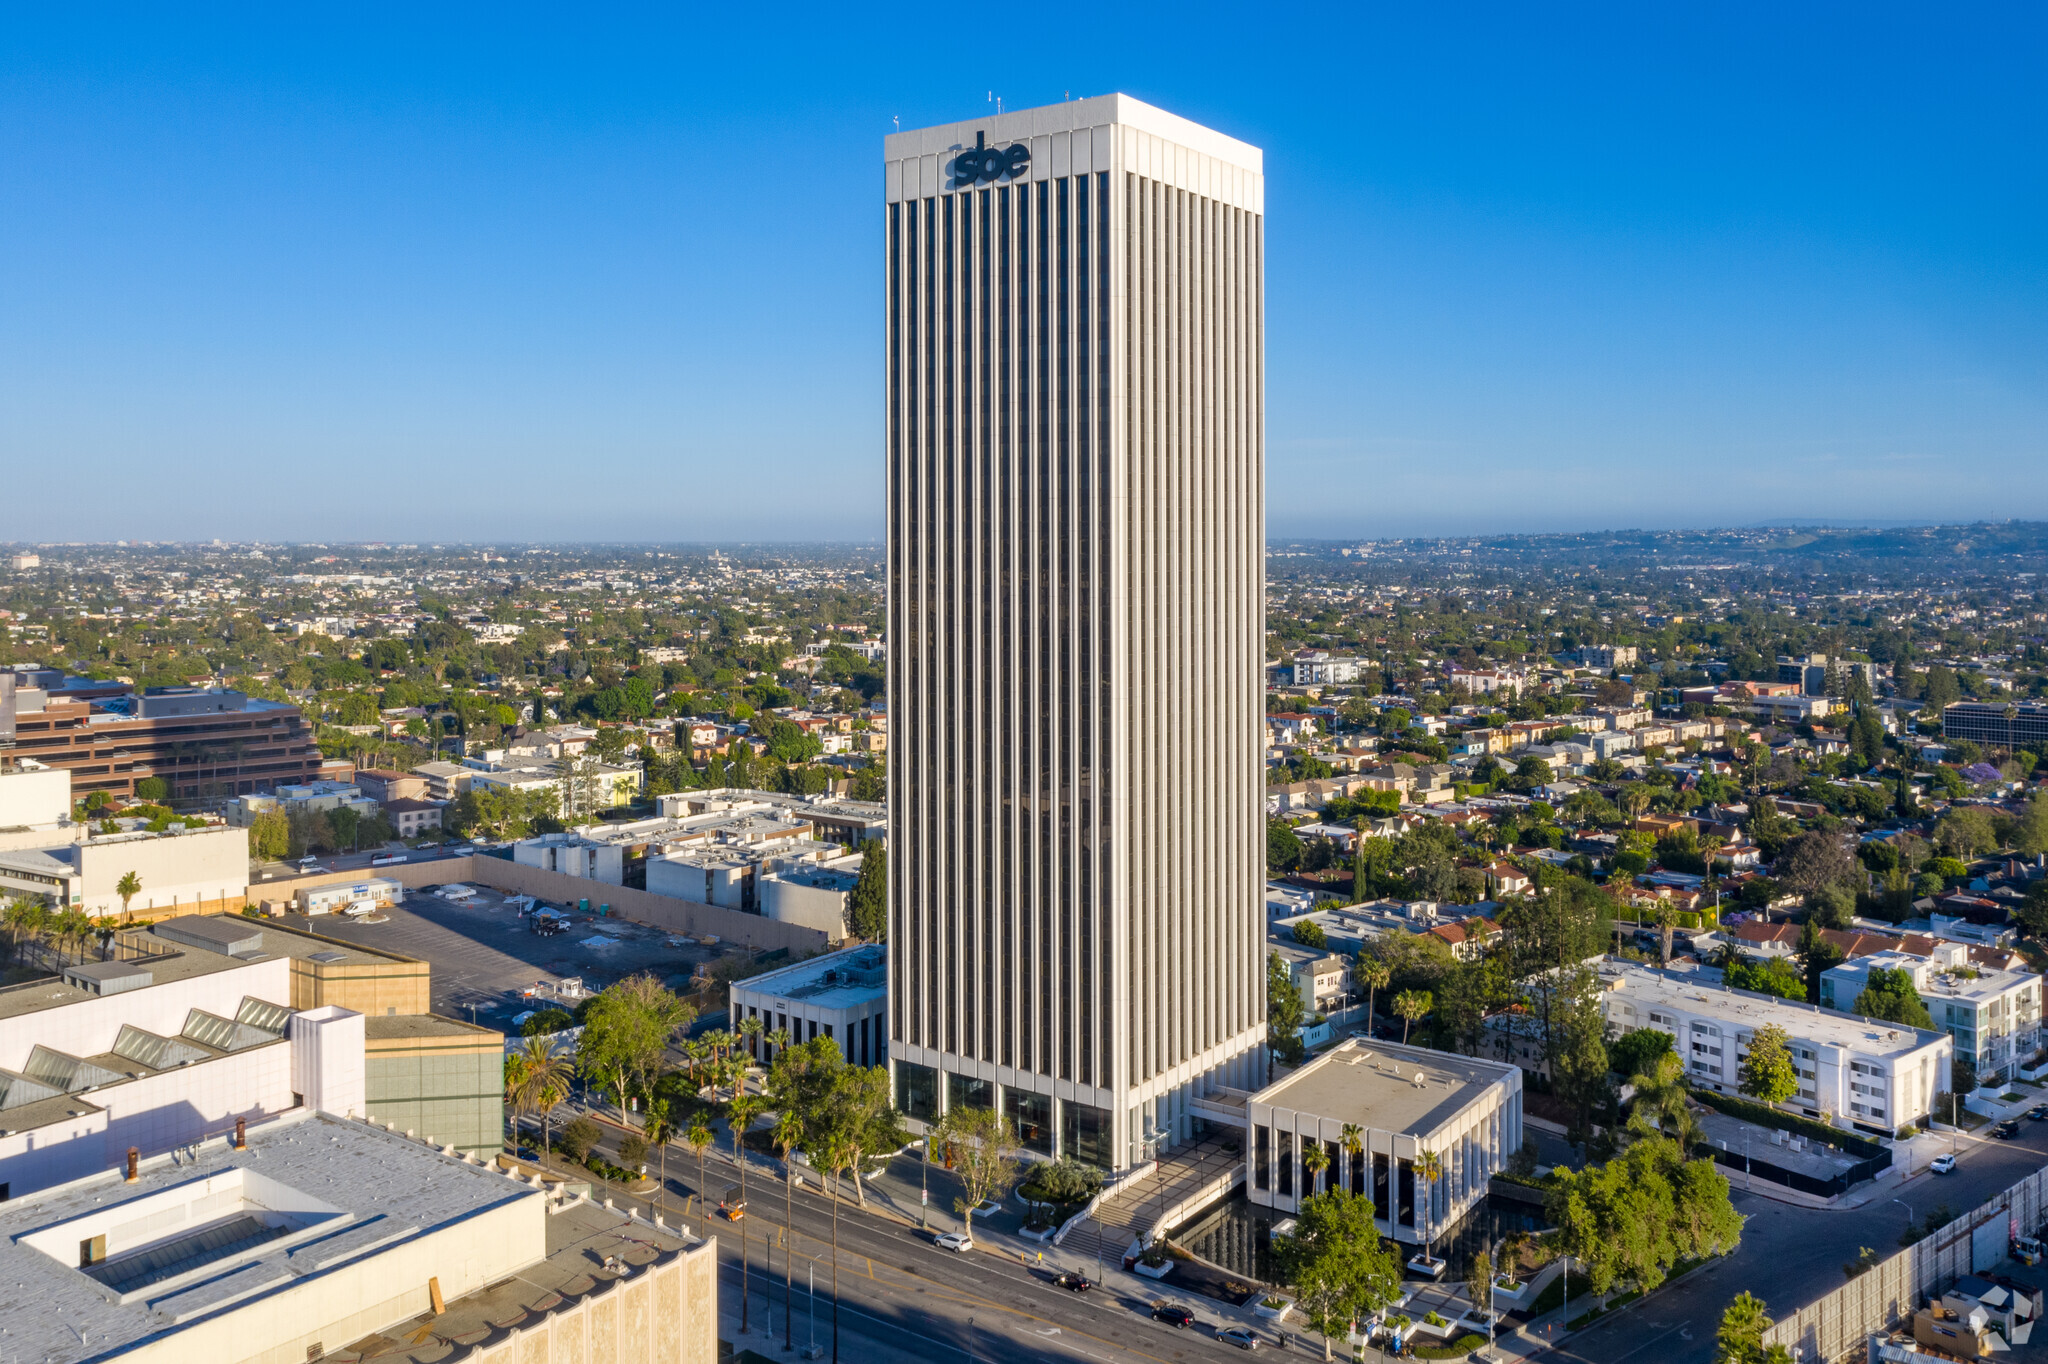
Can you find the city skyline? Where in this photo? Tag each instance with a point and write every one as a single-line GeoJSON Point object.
{"type": "Point", "coordinates": [1546, 274]}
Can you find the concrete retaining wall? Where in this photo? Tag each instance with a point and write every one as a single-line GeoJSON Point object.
{"type": "Point", "coordinates": [1837, 1325]}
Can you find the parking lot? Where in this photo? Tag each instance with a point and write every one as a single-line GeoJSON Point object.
{"type": "Point", "coordinates": [483, 951]}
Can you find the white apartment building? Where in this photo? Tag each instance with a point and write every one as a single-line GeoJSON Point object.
{"type": "Point", "coordinates": [1316, 667]}
{"type": "Point", "coordinates": [1406, 1100]}
{"type": "Point", "coordinates": [1994, 1016]}
{"type": "Point", "coordinates": [1878, 1076]}
{"type": "Point", "coordinates": [1074, 398]}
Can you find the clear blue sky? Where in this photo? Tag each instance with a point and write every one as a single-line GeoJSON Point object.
{"type": "Point", "coordinates": [583, 273]}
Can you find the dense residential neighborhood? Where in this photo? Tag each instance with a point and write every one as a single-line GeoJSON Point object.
{"type": "Point", "coordinates": [1725, 882]}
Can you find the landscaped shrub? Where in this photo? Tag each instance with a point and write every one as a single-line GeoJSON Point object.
{"type": "Point", "coordinates": [633, 1151]}
{"type": "Point", "coordinates": [578, 1138]}
{"type": "Point", "coordinates": [1062, 1181]}
{"type": "Point", "coordinates": [1457, 1349]}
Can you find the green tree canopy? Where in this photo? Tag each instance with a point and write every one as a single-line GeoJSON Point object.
{"type": "Point", "coordinates": [626, 1030]}
{"type": "Point", "coordinates": [1340, 1269]}
{"type": "Point", "coordinates": [1636, 1051]}
{"type": "Point", "coordinates": [867, 905]}
{"type": "Point", "coordinates": [1890, 996]}
{"type": "Point", "coordinates": [1778, 977]}
{"type": "Point", "coordinates": [1767, 1070]}
{"type": "Point", "coordinates": [1283, 1009]}
{"type": "Point", "coordinates": [1630, 1220]}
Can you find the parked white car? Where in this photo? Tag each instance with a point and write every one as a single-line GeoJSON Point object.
{"type": "Point", "coordinates": [957, 1241]}
{"type": "Point", "coordinates": [1943, 1164]}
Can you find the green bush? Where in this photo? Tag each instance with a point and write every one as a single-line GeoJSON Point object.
{"type": "Point", "coordinates": [546, 1021]}
{"type": "Point", "coordinates": [1062, 1181]}
{"type": "Point", "coordinates": [633, 1151]}
{"type": "Point", "coordinates": [579, 1137]}
{"type": "Point", "coordinates": [1457, 1349]}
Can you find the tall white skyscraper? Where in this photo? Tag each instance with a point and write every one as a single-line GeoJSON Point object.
{"type": "Point", "coordinates": [1076, 400]}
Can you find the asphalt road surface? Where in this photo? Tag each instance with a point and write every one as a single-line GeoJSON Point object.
{"type": "Point", "coordinates": [902, 1297]}
{"type": "Point", "coordinates": [1791, 1256]}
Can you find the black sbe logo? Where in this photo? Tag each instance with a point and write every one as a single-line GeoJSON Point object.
{"type": "Point", "coordinates": [983, 162]}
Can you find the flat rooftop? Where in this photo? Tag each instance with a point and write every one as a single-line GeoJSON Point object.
{"type": "Point", "coordinates": [279, 940]}
{"type": "Point", "coordinates": [1388, 1087]}
{"type": "Point", "coordinates": [392, 1027]}
{"type": "Point", "coordinates": [363, 1173]}
{"type": "Point", "coordinates": [1807, 1022]}
{"type": "Point", "coordinates": [33, 996]}
{"type": "Point", "coordinates": [839, 980]}
{"type": "Point", "coordinates": [580, 1239]}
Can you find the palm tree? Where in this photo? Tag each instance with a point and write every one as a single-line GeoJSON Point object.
{"type": "Point", "coordinates": [1315, 1160]}
{"type": "Point", "coordinates": [1410, 1005]}
{"type": "Point", "coordinates": [128, 887]}
{"type": "Point", "coordinates": [659, 1131]}
{"type": "Point", "coordinates": [1373, 974]}
{"type": "Point", "coordinates": [1429, 1168]}
{"type": "Point", "coordinates": [1661, 1104]}
{"type": "Point", "coordinates": [1353, 1139]}
{"type": "Point", "coordinates": [699, 1138]}
{"type": "Point", "coordinates": [789, 1134]}
{"type": "Point", "coordinates": [752, 1029]}
{"type": "Point", "coordinates": [740, 1115]}
{"type": "Point", "coordinates": [834, 1156]}
{"type": "Point", "coordinates": [543, 1073]}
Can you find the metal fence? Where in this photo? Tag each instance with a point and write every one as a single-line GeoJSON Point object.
{"type": "Point", "coordinates": [1836, 1327]}
{"type": "Point", "coordinates": [1761, 1167]}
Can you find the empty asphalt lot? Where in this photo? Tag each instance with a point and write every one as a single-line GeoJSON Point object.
{"type": "Point", "coordinates": [483, 954]}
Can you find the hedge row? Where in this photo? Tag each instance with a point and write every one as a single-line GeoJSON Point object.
{"type": "Point", "coordinates": [1766, 1116]}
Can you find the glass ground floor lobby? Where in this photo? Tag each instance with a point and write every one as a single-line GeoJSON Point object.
{"type": "Point", "coordinates": [1046, 1126]}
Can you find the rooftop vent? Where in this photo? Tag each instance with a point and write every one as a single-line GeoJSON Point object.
{"type": "Point", "coordinates": [108, 977]}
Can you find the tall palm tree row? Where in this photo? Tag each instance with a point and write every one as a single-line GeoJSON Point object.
{"type": "Point", "coordinates": [740, 1115]}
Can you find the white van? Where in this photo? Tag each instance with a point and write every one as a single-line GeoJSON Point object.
{"type": "Point", "coordinates": [359, 909]}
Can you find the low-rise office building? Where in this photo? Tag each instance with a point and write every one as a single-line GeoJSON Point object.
{"type": "Point", "coordinates": [1873, 1075]}
{"type": "Point", "coordinates": [2019, 724]}
{"type": "Point", "coordinates": [843, 996]}
{"type": "Point", "coordinates": [1994, 1016]}
{"type": "Point", "coordinates": [411, 818]}
{"type": "Point", "coordinates": [199, 742]}
{"type": "Point", "coordinates": [1405, 1101]}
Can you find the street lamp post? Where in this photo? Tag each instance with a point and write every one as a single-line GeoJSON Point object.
{"type": "Point", "coordinates": [1567, 1310]}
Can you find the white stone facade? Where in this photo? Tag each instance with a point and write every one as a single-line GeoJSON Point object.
{"type": "Point", "coordinates": [1075, 396]}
